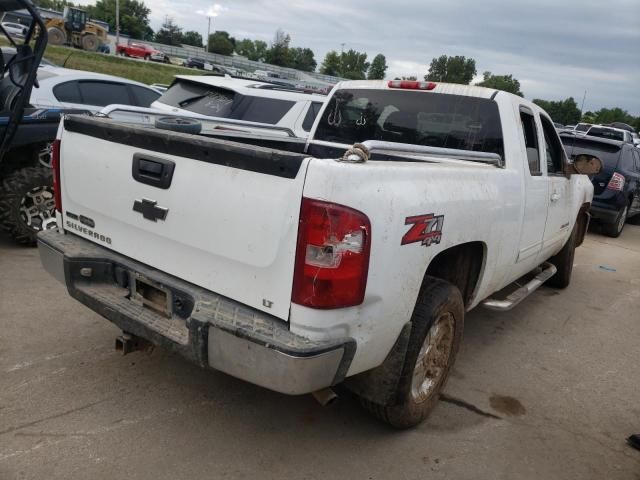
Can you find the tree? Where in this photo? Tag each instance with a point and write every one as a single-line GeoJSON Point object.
{"type": "Point", "coordinates": [501, 82]}
{"type": "Point", "coordinates": [278, 54]}
{"type": "Point", "coordinates": [221, 42]}
{"type": "Point", "coordinates": [134, 16]}
{"type": "Point", "coordinates": [253, 50]}
{"type": "Point", "coordinates": [378, 68]}
{"type": "Point", "coordinates": [169, 33]}
{"type": "Point", "coordinates": [331, 64]}
{"type": "Point", "coordinates": [302, 59]}
{"type": "Point", "coordinates": [563, 111]}
{"type": "Point", "coordinates": [192, 38]}
{"type": "Point", "coordinates": [451, 70]}
{"type": "Point", "coordinates": [354, 65]}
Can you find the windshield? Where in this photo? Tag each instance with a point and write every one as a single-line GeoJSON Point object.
{"type": "Point", "coordinates": [221, 102]}
{"type": "Point", "coordinates": [418, 118]}
{"type": "Point", "coordinates": [609, 133]}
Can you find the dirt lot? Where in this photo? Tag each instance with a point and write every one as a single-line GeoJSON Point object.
{"type": "Point", "coordinates": [549, 390]}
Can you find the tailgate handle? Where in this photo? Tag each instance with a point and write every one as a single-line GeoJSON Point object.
{"type": "Point", "coordinates": [153, 171]}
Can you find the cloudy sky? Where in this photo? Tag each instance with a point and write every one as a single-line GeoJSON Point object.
{"type": "Point", "coordinates": [556, 48]}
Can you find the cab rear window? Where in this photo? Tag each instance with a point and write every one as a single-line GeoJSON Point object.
{"type": "Point", "coordinates": [419, 118]}
{"type": "Point", "coordinates": [220, 102]}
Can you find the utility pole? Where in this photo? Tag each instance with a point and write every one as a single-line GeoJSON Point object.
{"type": "Point", "coordinates": [117, 23]}
{"type": "Point", "coordinates": [582, 106]}
{"type": "Point", "coordinates": [342, 59]}
{"type": "Point", "coordinates": [208, 32]}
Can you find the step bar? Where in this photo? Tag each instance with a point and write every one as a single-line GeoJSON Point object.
{"type": "Point", "coordinates": [513, 299]}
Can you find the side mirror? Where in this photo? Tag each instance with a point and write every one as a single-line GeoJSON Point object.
{"type": "Point", "coordinates": [587, 164]}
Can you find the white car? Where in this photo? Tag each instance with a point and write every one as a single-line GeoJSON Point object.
{"type": "Point", "coordinates": [67, 88]}
{"type": "Point", "coordinates": [15, 29]}
{"type": "Point", "coordinates": [611, 133]}
{"type": "Point", "coordinates": [213, 97]}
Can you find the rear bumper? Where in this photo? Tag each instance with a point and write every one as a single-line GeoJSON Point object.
{"type": "Point", "coordinates": [206, 328]}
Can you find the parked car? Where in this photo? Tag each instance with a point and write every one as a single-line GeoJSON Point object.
{"type": "Point", "coordinates": [14, 29]}
{"type": "Point", "coordinates": [610, 133]}
{"type": "Point", "coordinates": [140, 50]}
{"type": "Point", "coordinates": [617, 187]}
{"type": "Point", "coordinates": [195, 62]}
{"type": "Point", "coordinates": [351, 257]}
{"type": "Point", "coordinates": [240, 99]}
{"type": "Point", "coordinates": [67, 88]}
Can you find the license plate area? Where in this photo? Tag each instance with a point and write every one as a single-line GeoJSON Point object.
{"type": "Point", "coordinates": [151, 295]}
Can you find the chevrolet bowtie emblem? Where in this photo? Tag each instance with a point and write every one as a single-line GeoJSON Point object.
{"type": "Point", "coordinates": [150, 210]}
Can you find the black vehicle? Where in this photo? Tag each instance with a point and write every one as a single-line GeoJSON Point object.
{"type": "Point", "coordinates": [616, 189]}
{"type": "Point", "coordinates": [26, 133]}
{"type": "Point", "coordinates": [194, 62]}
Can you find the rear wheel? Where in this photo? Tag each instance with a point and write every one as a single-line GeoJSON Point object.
{"type": "Point", "coordinates": [27, 204]}
{"type": "Point", "coordinates": [436, 333]}
{"type": "Point", "coordinates": [563, 261]}
{"type": "Point", "coordinates": [56, 36]}
{"type": "Point", "coordinates": [615, 229]}
{"type": "Point", "coordinates": [90, 43]}
{"type": "Point", "coordinates": [147, 57]}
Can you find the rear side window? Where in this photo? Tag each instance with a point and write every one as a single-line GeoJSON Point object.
{"type": "Point", "coordinates": [220, 102]}
{"type": "Point", "coordinates": [104, 93]}
{"type": "Point", "coordinates": [144, 97]}
{"type": "Point", "coordinates": [609, 154]}
{"type": "Point", "coordinates": [554, 152]}
{"type": "Point", "coordinates": [67, 92]}
{"type": "Point", "coordinates": [419, 118]}
{"type": "Point", "coordinates": [531, 141]}
{"type": "Point", "coordinates": [311, 115]}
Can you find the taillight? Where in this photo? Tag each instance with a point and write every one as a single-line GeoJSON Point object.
{"type": "Point", "coordinates": [616, 183]}
{"type": "Point", "coordinates": [332, 257]}
{"type": "Point", "coordinates": [55, 163]}
{"type": "Point", "coordinates": [411, 85]}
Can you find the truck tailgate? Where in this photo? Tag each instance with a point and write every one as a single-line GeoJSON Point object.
{"type": "Point", "coordinates": [227, 221]}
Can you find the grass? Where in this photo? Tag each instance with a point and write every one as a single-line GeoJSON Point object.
{"type": "Point", "coordinates": [140, 71]}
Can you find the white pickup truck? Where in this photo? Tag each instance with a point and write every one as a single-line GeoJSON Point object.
{"type": "Point", "coordinates": [349, 258]}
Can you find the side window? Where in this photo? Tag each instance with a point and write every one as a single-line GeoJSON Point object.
{"type": "Point", "coordinates": [144, 97]}
{"type": "Point", "coordinates": [311, 115]}
{"type": "Point", "coordinates": [261, 109]}
{"type": "Point", "coordinates": [553, 147]}
{"type": "Point", "coordinates": [531, 141]}
{"type": "Point", "coordinates": [102, 94]}
{"type": "Point", "coordinates": [67, 92]}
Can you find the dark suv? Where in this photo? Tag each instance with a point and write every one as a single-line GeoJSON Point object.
{"type": "Point", "coordinates": [193, 62]}
{"type": "Point", "coordinates": [616, 189]}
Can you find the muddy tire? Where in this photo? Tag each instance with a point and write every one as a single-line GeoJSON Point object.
{"type": "Point", "coordinates": [56, 36]}
{"type": "Point", "coordinates": [90, 43]}
{"type": "Point", "coordinates": [436, 333]}
{"type": "Point", "coordinates": [27, 204]}
{"type": "Point", "coordinates": [614, 229]}
{"type": "Point", "coordinates": [563, 261]}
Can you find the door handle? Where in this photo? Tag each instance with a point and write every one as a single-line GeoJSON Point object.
{"type": "Point", "coordinates": [153, 171]}
{"type": "Point", "coordinates": [555, 196]}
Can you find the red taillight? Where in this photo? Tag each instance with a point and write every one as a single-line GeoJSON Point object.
{"type": "Point", "coordinates": [616, 183]}
{"type": "Point", "coordinates": [55, 163]}
{"type": "Point", "coordinates": [332, 257]}
{"type": "Point", "coordinates": [411, 85]}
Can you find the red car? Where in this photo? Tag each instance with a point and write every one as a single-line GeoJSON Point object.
{"type": "Point", "coordinates": [140, 50]}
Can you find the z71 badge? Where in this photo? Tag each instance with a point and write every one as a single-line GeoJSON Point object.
{"type": "Point", "coordinates": [425, 228]}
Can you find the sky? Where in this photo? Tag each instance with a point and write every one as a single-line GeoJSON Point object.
{"type": "Point", "coordinates": [555, 48]}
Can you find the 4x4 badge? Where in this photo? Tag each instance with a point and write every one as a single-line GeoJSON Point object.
{"type": "Point", "coordinates": [150, 209]}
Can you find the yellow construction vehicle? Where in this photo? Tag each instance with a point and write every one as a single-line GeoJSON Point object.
{"type": "Point", "coordinates": [75, 29]}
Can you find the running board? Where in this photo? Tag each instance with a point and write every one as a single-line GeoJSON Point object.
{"type": "Point", "coordinates": [513, 299]}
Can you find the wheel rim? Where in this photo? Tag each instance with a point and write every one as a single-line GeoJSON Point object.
{"type": "Point", "coordinates": [433, 358]}
{"type": "Point", "coordinates": [622, 219]}
{"type": "Point", "coordinates": [37, 208]}
{"type": "Point", "coordinates": [44, 155]}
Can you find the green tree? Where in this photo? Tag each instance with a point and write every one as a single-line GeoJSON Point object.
{"type": "Point", "coordinates": [451, 70]}
{"type": "Point", "coordinates": [354, 65]}
{"type": "Point", "coordinates": [192, 38]}
{"type": "Point", "coordinates": [378, 68]}
{"type": "Point", "coordinates": [134, 16]}
{"type": "Point", "coordinates": [253, 50]}
{"type": "Point", "coordinates": [563, 111]}
{"type": "Point", "coordinates": [279, 53]}
{"type": "Point", "coordinates": [221, 42]}
{"type": "Point", "coordinates": [302, 59]}
{"type": "Point", "coordinates": [169, 33]}
{"type": "Point", "coordinates": [331, 64]}
{"type": "Point", "coordinates": [501, 82]}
